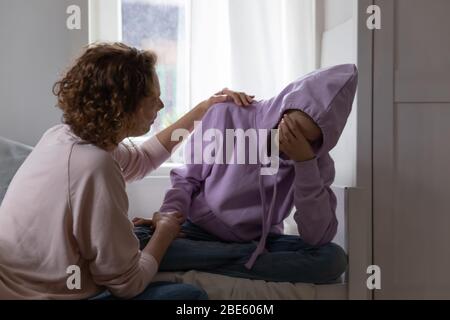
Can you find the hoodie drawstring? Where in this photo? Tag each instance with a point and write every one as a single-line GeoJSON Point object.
{"type": "Point", "coordinates": [266, 220]}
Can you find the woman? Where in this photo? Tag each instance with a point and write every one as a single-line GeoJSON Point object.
{"type": "Point", "coordinates": [64, 230]}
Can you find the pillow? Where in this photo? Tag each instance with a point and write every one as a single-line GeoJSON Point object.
{"type": "Point", "coordinates": [12, 155]}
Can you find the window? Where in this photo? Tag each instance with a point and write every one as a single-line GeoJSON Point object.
{"type": "Point", "coordinates": [159, 25]}
{"type": "Point", "coordinates": [254, 46]}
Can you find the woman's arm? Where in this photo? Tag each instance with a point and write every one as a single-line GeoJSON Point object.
{"type": "Point", "coordinates": [187, 121]}
{"type": "Point", "coordinates": [167, 227]}
{"type": "Point", "coordinates": [137, 161]}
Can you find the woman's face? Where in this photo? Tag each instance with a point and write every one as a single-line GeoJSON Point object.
{"type": "Point", "coordinates": [147, 110]}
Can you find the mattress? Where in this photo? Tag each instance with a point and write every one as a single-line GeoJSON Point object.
{"type": "Point", "coordinates": [220, 287]}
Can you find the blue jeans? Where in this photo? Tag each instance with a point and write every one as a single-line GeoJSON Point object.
{"type": "Point", "coordinates": [288, 257]}
{"type": "Point", "coordinates": [162, 291]}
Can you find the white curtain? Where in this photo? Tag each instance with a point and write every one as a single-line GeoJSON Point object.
{"type": "Point", "coordinates": [256, 46]}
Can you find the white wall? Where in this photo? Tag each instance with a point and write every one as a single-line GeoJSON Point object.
{"type": "Point", "coordinates": [105, 20]}
{"type": "Point", "coordinates": [337, 22]}
{"type": "Point", "coordinates": [337, 12]}
{"type": "Point", "coordinates": [36, 47]}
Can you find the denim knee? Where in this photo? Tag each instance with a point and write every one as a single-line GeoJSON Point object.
{"type": "Point", "coordinates": [172, 291]}
{"type": "Point", "coordinates": [336, 259]}
{"type": "Point", "coordinates": [191, 292]}
{"type": "Point", "coordinates": [143, 233]}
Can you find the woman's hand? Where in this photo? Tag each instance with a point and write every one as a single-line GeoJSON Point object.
{"type": "Point", "coordinates": [142, 222]}
{"type": "Point", "coordinates": [167, 228]}
{"type": "Point", "coordinates": [187, 121]}
{"type": "Point", "coordinates": [293, 142]}
{"type": "Point", "coordinates": [239, 98]}
{"type": "Point", "coordinates": [168, 223]}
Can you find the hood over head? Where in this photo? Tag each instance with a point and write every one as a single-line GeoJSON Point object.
{"type": "Point", "coordinates": [326, 95]}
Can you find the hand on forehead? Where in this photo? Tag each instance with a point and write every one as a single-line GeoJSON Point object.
{"type": "Point", "coordinates": [309, 128]}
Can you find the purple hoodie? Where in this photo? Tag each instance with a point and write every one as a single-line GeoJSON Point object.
{"type": "Point", "coordinates": [235, 202]}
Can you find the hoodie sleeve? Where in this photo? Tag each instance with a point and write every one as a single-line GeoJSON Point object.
{"type": "Point", "coordinates": [187, 180]}
{"type": "Point", "coordinates": [327, 97]}
{"type": "Point", "coordinates": [137, 161]}
{"type": "Point", "coordinates": [103, 233]}
{"type": "Point", "coordinates": [315, 204]}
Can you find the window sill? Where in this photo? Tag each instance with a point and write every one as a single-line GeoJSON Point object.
{"type": "Point", "coordinates": [163, 171]}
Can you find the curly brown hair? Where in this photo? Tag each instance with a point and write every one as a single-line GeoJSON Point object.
{"type": "Point", "coordinates": [101, 91]}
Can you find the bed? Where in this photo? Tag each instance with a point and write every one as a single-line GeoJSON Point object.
{"type": "Point", "coordinates": [221, 287]}
{"type": "Point", "coordinates": [218, 287]}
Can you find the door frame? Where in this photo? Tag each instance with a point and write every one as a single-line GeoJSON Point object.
{"type": "Point", "coordinates": [383, 146]}
{"type": "Point", "coordinates": [360, 213]}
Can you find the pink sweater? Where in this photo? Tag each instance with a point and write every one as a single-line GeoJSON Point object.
{"type": "Point", "coordinates": [67, 206]}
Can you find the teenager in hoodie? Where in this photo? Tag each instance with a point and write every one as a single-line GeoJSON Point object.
{"type": "Point", "coordinates": [235, 213]}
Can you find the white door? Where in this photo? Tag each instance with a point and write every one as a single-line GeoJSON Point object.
{"type": "Point", "coordinates": [411, 149]}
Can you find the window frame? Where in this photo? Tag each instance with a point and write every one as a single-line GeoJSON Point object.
{"type": "Point", "coordinates": [105, 25]}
